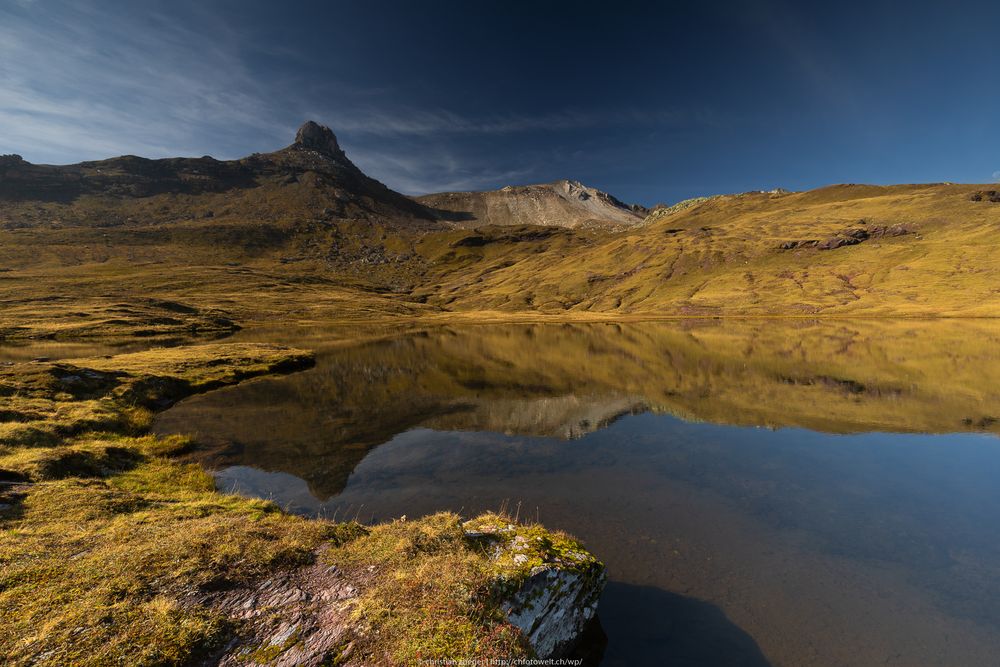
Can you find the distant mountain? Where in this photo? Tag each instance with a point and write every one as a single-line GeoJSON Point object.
{"type": "Point", "coordinates": [303, 230]}
{"type": "Point", "coordinates": [560, 204]}
{"type": "Point", "coordinates": [310, 177]}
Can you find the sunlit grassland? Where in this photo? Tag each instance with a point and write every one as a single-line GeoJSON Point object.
{"type": "Point", "coordinates": [723, 257]}
{"type": "Point", "coordinates": [718, 257]}
{"type": "Point", "coordinates": [112, 544]}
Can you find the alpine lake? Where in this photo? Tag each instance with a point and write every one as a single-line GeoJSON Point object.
{"type": "Point", "coordinates": [763, 492]}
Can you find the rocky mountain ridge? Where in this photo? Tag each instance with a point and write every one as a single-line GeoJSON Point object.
{"type": "Point", "coordinates": [563, 203]}
{"type": "Point", "coordinates": [336, 187]}
{"type": "Point", "coordinates": [313, 174]}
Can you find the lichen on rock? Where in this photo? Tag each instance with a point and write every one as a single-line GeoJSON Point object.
{"type": "Point", "coordinates": [548, 583]}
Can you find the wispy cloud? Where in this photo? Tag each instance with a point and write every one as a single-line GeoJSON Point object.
{"type": "Point", "coordinates": [420, 172]}
{"type": "Point", "coordinates": [76, 81]}
{"type": "Point", "coordinates": [818, 66]}
{"type": "Point", "coordinates": [81, 81]}
{"type": "Point", "coordinates": [444, 122]}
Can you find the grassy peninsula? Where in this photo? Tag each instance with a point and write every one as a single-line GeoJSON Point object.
{"type": "Point", "coordinates": [115, 550]}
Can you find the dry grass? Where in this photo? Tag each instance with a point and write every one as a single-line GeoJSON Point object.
{"type": "Point", "coordinates": [98, 568]}
{"type": "Point", "coordinates": [104, 535]}
{"type": "Point", "coordinates": [111, 546]}
{"type": "Point", "coordinates": [152, 320]}
{"type": "Point", "coordinates": [721, 256]}
{"type": "Point", "coordinates": [434, 588]}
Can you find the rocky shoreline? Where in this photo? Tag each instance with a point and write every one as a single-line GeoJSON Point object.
{"type": "Point", "coordinates": [106, 522]}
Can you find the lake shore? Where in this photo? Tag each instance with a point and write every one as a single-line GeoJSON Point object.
{"type": "Point", "coordinates": [116, 549]}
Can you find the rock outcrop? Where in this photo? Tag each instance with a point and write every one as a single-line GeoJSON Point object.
{"type": "Point", "coordinates": [560, 204]}
{"type": "Point", "coordinates": [550, 586]}
{"type": "Point", "coordinates": [292, 619]}
{"type": "Point", "coordinates": [849, 237]}
{"type": "Point", "coordinates": [992, 196]}
{"type": "Point", "coordinates": [552, 608]}
{"type": "Point", "coordinates": [318, 137]}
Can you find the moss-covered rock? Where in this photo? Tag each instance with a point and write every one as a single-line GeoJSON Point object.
{"type": "Point", "coordinates": [548, 584]}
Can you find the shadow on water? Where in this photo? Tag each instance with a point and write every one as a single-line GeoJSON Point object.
{"type": "Point", "coordinates": [650, 626]}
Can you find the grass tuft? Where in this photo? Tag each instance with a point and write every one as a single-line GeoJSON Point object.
{"type": "Point", "coordinates": [429, 593]}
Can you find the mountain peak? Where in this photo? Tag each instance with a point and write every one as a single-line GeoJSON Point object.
{"type": "Point", "coordinates": [562, 203]}
{"type": "Point", "coordinates": [319, 138]}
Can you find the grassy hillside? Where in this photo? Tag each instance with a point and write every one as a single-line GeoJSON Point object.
{"type": "Point", "coordinates": [902, 250]}
{"type": "Point", "coordinates": [303, 233]}
{"type": "Point", "coordinates": [845, 250]}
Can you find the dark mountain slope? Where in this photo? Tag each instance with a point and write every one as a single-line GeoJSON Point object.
{"type": "Point", "coordinates": [311, 177]}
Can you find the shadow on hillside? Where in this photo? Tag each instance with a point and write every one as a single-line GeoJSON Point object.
{"type": "Point", "coordinates": [127, 176]}
{"type": "Point", "coordinates": [646, 625]}
{"type": "Point", "coordinates": [450, 216]}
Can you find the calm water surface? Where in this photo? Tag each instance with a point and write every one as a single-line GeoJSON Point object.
{"type": "Point", "coordinates": [762, 493]}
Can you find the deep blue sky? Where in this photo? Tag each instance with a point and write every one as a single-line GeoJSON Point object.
{"type": "Point", "coordinates": [650, 101]}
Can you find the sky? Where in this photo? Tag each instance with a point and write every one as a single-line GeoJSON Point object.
{"type": "Point", "coordinates": [651, 101]}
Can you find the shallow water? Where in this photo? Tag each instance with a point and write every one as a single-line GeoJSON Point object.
{"type": "Point", "coordinates": [763, 493]}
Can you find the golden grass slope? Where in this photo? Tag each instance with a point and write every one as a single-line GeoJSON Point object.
{"type": "Point", "coordinates": [724, 257]}
{"type": "Point", "coordinates": [927, 250]}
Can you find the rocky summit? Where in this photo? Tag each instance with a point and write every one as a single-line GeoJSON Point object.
{"type": "Point", "coordinates": [318, 137]}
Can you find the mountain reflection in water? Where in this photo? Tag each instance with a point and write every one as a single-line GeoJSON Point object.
{"type": "Point", "coordinates": [564, 381]}
{"type": "Point", "coordinates": [857, 527]}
